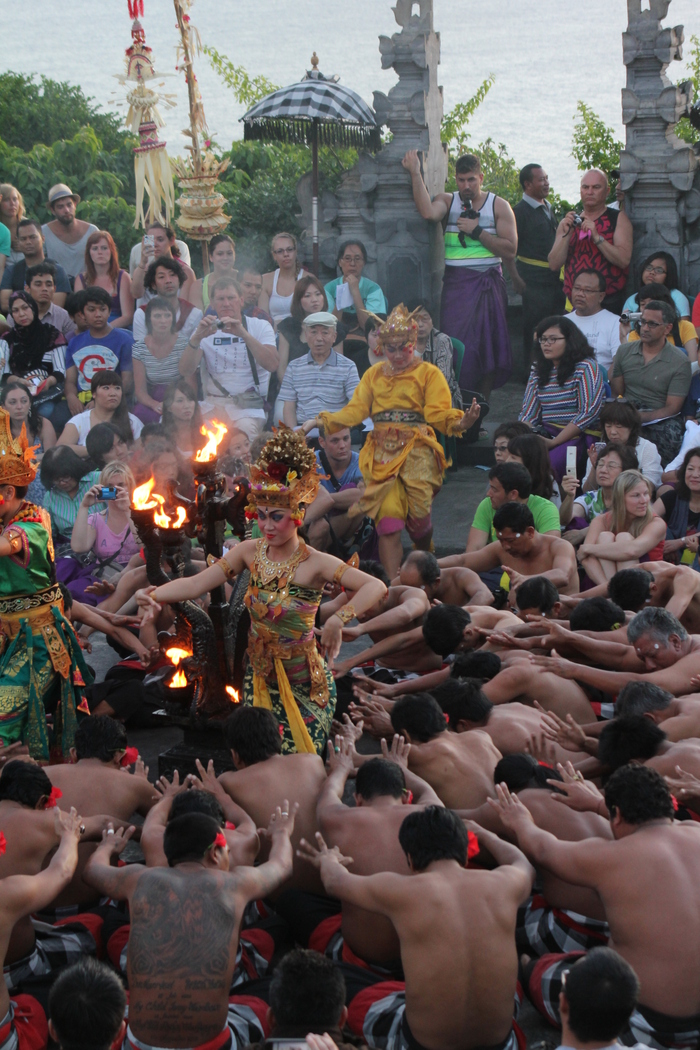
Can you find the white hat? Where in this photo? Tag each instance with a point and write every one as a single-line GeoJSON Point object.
{"type": "Point", "coordinates": [325, 318]}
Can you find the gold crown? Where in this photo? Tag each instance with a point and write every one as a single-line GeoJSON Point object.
{"type": "Point", "coordinates": [17, 463]}
{"type": "Point", "coordinates": [285, 474]}
{"type": "Point", "coordinates": [400, 327]}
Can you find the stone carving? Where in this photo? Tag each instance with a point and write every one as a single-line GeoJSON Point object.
{"type": "Point", "coordinates": [658, 169]}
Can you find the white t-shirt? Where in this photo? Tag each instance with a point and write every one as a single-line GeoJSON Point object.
{"type": "Point", "coordinates": [83, 425]}
{"type": "Point", "coordinates": [649, 461]}
{"type": "Point", "coordinates": [602, 330]}
{"type": "Point", "coordinates": [225, 357]}
{"type": "Point", "coordinates": [139, 323]}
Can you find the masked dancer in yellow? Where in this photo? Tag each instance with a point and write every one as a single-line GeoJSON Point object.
{"type": "Point", "coordinates": [287, 672]}
{"type": "Point", "coordinates": [402, 461]}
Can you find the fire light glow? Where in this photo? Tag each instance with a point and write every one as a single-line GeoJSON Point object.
{"type": "Point", "coordinates": [175, 655]}
{"type": "Point", "coordinates": [178, 680]}
{"type": "Point", "coordinates": [215, 438]}
{"type": "Point", "coordinates": [163, 520]}
{"type": "Point", "coordinates": [233, 695]}
{"type": "Point", "coordinates": [142, 499]}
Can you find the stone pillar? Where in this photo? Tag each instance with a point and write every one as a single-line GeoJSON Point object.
{"type": "Point", "coordinates": [657, 169]}
{"type": "Point", "coordinates": [374, 201]}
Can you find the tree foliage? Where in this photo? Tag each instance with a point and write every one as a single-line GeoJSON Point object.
{"type": "Point", "coordinates": [684, 129]}
{"type": "Point", "coordinates": [246, 90]}
{"type": "Point", "coordinates": [594, 144]}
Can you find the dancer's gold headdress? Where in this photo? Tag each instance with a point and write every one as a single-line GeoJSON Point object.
{"type": "Point", "coordinates": [399, 329]}
{"type": "Point", "coordinates": [285, 474]}
{"type": "Point", "coordinates": [17, 463]}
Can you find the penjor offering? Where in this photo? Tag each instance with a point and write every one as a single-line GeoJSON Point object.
{"type": "Point", "coordinates": [288, 670]}
{"type": "Point", "coordinates": [41, 663]}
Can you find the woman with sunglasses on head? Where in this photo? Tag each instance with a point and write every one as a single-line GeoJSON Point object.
{"type": "Point", "coordinates": [278, 285]}
{"type": "Point", "coordinates": [660, 268]}
{"type": "Point", "coordinates": [564, 392]}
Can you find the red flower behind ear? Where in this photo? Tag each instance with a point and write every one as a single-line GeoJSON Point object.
{"type": "Point", "coordinates": [53, 798]}
{"type": "Point", "coordinates": [674, 802]}
{"type": "Point", "coordinates": [230, 826]}
{"type": "Point", "coordinates": [545, 765]}
{"type": "Point", "coordinates": [220, 840]}
{"type": "Point", "coordinates": [3, 844]}
{"type": "Point", "coordinates": [472, 845]}
{"type": "Point", "coordinates": [446, 717]}
{"type": "Point", "coordinates": [129, 757]}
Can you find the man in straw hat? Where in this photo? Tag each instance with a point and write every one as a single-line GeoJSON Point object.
{"type": "Point", "coordinates": [402, 461]}
{"type": "Point", "coordinates": [65, 235]}
{"type": "Point", "coordinates": [41, 664]}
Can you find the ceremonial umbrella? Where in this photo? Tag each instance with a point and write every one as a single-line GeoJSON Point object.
{"type": "Point", "coordinates": [315, 110]}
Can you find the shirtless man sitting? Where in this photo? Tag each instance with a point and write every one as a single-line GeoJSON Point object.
{"type": "Point", "coordinates": [657, 583]}
{"type": "Point", "coordinates": [400, 609]}
{"type": "Point", "coordinates": [22, 894]}
{"type": "Point", "coordinates": [679, 716]}
{"type": "Point", "coordinates": [523, 552]}
{"type": "Point", "coordinates": [264, 777]}
{"type": "Point", "coordinates": [185, 925]}
{"type": "Point", "coordinates": [562, 915]}
{"type": "Point", "coordinates": [369, 833]}
{"type": "Point", "coordinates": [647, 882]}
{"type": "Point", "coordinates": [458, 766]}
{"type": "Point", "coordinates": [456, 933]}
{"type": "Point", "coordinates": [457, 586]}
{"type": "Point", "coordinates": [635, 738]}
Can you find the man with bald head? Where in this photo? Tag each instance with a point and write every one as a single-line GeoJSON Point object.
{"type": "Point", "coordinates": [600, 241]}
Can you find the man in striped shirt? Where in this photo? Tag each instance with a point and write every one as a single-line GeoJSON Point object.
{"type": "Point", "coordinates": [323, 380]}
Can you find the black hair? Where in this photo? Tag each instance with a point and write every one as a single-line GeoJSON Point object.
{"type": "Point", "coordinates": [518, 772]}
{"type": "Point", "coordinates": [627, 454]}
{"type": "Point", "coordinates": [426, 564]}
{"type": "Point", "coordinates": [671, 280]}
{"type": "Point", "coordinates": [601, 992]}
{"type": "Point", "coordinates": [420, 714]}
{"type": "Point", "coordinates": [639, 698]}
{"type": "Point", "coordinates": [431, 834]}
{"type": "Point", "coordinates": [511, 430]}
{"type": "Point", "coordinates": [95, 294]}
{"type": "Point", "coordinates": [526, 173]}
{"type": "Point", "coordinates": [537, 592]}
{"type": "Point", "coordinates": [219, 238]}
{"type": "Point", "coordinates": [531, 448]}
{"type": "Point", "coordinates": [638, 794]}
{"type": "Point", "coordinates": [513, 476]}
{"type": "Point", "coordinates": [682, 490]}
{"type": "Point", "coordinates": [30, 222]}
{"type": "Point", "coordinates": [307, 991]}
{"type": "Point", "coordinates": [514, 516]}
{"type": "Point", "coordinates": [595, 614]}
{"type": "Point", "coordinates": [34, 420]}
{"type": "Point", "coordinates": [625, 414]}
{"type": "Point", "coordinates": [86, 1005]}
{"type": "Point", "coordinates": [67, 598]}
{"type": "Point", "coordinates": [631, 737]}
{"type": "Point", "coordinates": [669, 314]}
{"type": "Point", "coordinates": [253, 733]}
{"type": "Point", "coordinates": [189, 837]}
{"type": "Point", "coordinates": [418, 303]}
{"type": "Point", "coordinates": [149, 430]}
{"type": "Point", "coordinates": [167, 262]}
{"type": "Point", "coordinates": [478, 664]}
{"type": "Point", "coordinates": [466, 163]}
{"type": "Point", "coordinates": [660, 294]}
{"type": "Point", "coordinates": [372, 322]}
{"type": "Point", "coordinates": [23, 782]}
{"type": "Point", "coordinates": [99, 736]}
{"type": "Point", "coordinates": [59, 462]}
{"type": "Point", "coordinates": [100, 440]}
{"type": "Point", "coordinates": [346, 244]}
{"type": "Point", "coordinates": [379, 777]}
{"type": "Point", "coordinates": [630, 588]}
{"type": "Point", "coordinates": [197, 802]}
{"type": "Point", "coordinates": [42, 269]}
{"type": "Point", "coordinates": [577, 349]}
{"type": "Point", "coordinates": [462, 699]}
{"type": "Point", "coordinates": [600, 278]}
{"type": "Point", "coordinates": [75, 302]}
{"type": "Point", "coordinates": [443, 628]}
{"type": "Point", "coordinates": [376, 569]}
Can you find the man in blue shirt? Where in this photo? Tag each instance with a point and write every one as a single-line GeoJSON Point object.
{"type": "Point", "coordinates": [100, 347]}
{"type": "Point", "coordinates": [343, 481]}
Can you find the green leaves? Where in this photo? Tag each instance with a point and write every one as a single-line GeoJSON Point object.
{"type": "Point", "coordinates": [247, 90]}
{"type": "Point", "coordinates": [594, 144]}
{"type": "Point", "coordinates": [454, 123]}
{"type": "Point", "coordinates": [684, 129]}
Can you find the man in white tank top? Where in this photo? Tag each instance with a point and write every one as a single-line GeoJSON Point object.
{"type": "Point", "coordinates": [474, 298]}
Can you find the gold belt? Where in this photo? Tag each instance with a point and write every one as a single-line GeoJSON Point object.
{"type": "Point", "coordinates": [399, 415]}
{"type": "Point", "coordinates": [263, 651]}
{"type": "Point", "coordinates": [36, 608]}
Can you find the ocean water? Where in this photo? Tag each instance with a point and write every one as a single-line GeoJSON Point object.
{"type": "Point", "coordinates": [545, 56]}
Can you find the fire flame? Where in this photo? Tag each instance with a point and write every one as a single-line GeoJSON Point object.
{"type": "Point", "coordinates": [142, 499]}
{"type": "Point", "coordinates": [233, 695]}
{"type": "Point", "coordinates": [175, 655]}
{"type": "Point", "coordinates": [209, 451]}
{"type": "Point", "coordinates": [178, 680]}
{"type": "Point", "coordinates": [163, 520]}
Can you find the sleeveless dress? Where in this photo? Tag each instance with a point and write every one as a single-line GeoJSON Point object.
{"type": "Point", "coordinates": [286, 673]}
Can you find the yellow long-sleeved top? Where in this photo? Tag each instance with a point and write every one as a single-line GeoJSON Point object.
{"type": "Point", "coordinates": [422, 388]}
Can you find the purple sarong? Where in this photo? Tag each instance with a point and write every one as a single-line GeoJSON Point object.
{"type": "Point", "coordinates": [473, 310]}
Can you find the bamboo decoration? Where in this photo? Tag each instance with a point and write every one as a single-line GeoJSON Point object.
{"type": "Point", "coordinates": [151, 163]}
{"type": "Point", "coordinates": [201, 205]}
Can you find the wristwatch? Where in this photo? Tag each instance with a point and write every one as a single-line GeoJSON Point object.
{"type": "Point", "coordinates": [476, 232]}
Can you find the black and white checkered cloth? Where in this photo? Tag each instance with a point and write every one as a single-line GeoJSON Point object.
{"type": "Point", "coordinates": [291, 113]}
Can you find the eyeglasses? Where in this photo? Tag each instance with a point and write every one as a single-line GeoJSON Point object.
{"type": "Point", "coordinates": [655, 269]}
{"type": "Point", "coordinates": [587, 291]}
{"type": "Point", "coordinates": [651, 324]}
{"type": "Point", "coordinates": [546, 340]}
{"type": "Point", "coordinates": [352, 258]}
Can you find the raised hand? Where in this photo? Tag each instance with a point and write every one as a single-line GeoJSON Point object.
{"type": "Point", "coordinates": [684, 785]}
{"type": "Point", "coordinates": [117, 840]}
{"type": "Point", "coordinates": [568, 734]}
{"type": "Point", "coordinates": [281, 821]}
{"type": "Point", "coordinates": [513, 813]}
{"type": "Point", "coordinates": [579, 794]}
{"type": "Point", "coordinates": [341, 755]}
{"type": "Point", "coordinates": [67, 825]}
{"type": "Point", "coordinates": [140, 768]}
{"type": "Point", "coordinates": [347, 729]}
{"type": "Point", "coordinates": [557, 664]}
{"type": "Point", "coordinates": [541, 749]}
{"type": "Point", "coordinates": [166, 789]}
{"type": "Point", "coordinates": [317, 854]}
{"type": "Point", "coordinates": [399, 751]}
{"type": "Point", "coordinates": [375, 717]}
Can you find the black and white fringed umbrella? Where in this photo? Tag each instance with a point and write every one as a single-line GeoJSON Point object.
{"type": "Point", "coordinates": [315, 110]}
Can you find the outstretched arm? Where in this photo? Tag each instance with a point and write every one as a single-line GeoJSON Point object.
{"type": "Point", "coordinates": [374, 892]}
{"type": "Point", "coordinates": [98, 872]}
{"type": "Point", "coordinates": [263, 880]}
{"type": "Point", "coordinates": [24, 894]}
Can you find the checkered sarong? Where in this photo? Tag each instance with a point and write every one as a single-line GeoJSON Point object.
{"type": "Point", "coordinates": [378, 1014]}
{"type": "Point", "coordinates": [328, 940]}
{"type": "Point", "coordinates": [543, 929]}
{"type": "Point", "coordinates": [56, 946]}
{"type": "Point", "coordinates": [24, 1025]}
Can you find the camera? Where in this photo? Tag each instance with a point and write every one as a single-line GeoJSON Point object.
{"type": "Point", "coordinates": [108, 492]}
{"type": "Point", "coordinates": [220, 325]}
{"type": "Point", "coordinates": [578, 221]}
{"type": "Point", "coordinates": [630, 318]}
{"type": "Point", "coordinates": [467, 212]}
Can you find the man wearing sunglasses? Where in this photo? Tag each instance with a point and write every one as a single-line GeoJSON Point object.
{"type": "Point", "coordinates": [655, 376]}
